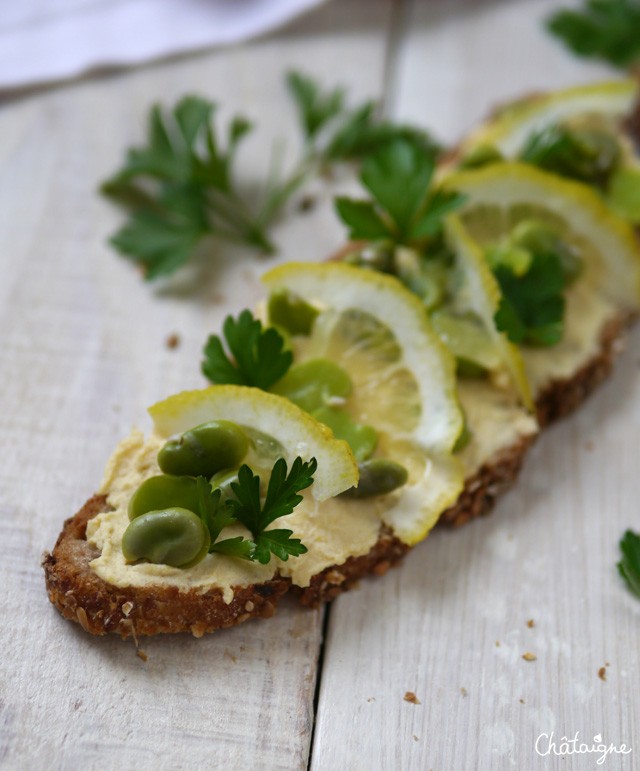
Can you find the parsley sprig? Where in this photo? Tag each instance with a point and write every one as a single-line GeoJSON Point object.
{"type": "Point", "coordinates": [531, 309]}
{"type": "Point", "coordinates": [181, 186]}
{"type": "Point", "coordinates": [629, 565]}
{"type": "Point", "coordinates": [603, 29]}
{"type": "Point", "coordinates": [282, 497]}
{"type": "Point", "coordinates": [257, 359]}
{"type": "Point", "coordinates": [404, 209]}
{"type": "Point", "coordinates": [246, 507]}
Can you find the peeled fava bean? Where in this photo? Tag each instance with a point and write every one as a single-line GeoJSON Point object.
{"type": "Point", "coordinates": [378, 476]}
{"type": "Point", "coordinates": [174, 536]}
{"type": "Point", "coordinates": [314, 383]}
{"type": "Point", "coordinates": [164, 491]}
{"type": "Point", "coordinates": [204, 450]}
{"type": "Point", "coordinates": [290, 312]}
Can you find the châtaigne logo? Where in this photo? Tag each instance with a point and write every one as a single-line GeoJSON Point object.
{"type": "Point", "coordinates": [547, 744]}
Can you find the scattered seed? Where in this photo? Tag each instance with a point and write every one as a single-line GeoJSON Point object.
{"type": "Point", "coordinates": [529, 656]}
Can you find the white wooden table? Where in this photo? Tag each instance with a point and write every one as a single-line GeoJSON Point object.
{"type": "Point", "coordinates": [82, 354]}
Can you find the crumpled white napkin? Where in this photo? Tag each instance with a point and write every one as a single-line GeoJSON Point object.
{"type": "Point", "coordinates": [49, 40]}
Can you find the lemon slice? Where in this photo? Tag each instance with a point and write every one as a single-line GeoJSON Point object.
{"type": "Point", "coordinates": [479, 293]}
{"type": "Point", "coordinates": [602, 105]}
{"type": "Point", "coordinates": [500, 196]}
{"type": "Point", "coordinates": [512, 125]}
{"type": "Point", "coordinates": [403, 379]}
{"type": "Point", "coordinates": [297, 433]}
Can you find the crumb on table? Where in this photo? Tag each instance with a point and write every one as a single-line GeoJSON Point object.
{"type": "Point", "coordinates": [529, 656]}
{"type": "Point", "coordinates": [172, 341]}
{"type": "Point", "coordinates": [411, 697]}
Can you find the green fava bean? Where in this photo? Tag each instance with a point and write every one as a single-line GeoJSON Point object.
{"type": "Point", "coordinates": [162, 492]}
{"type": "Point", "coordinates": [174, 536]}
{"type": "Point", "coordinates": [314, 383]}
{"type": "Point", "coordinates": [289, 311]}
{"type": "Point", "coordinates": [361, 439]}
{"type": "Point", "coordinates": [483, 155]}
{"type": "Point", "coordinates": [222, 481]}
{"type": "Point", "coordinates": [539, 238]}
{"type": "Point", "coordinates": [378, 477]}
{"type": "Point", "coordinates": [204, 450]}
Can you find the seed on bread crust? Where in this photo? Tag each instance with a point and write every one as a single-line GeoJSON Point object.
{"type": "Point", "coordinates": [82, 596]}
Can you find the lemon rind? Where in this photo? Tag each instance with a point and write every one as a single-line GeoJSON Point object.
{"type": "Point", "coordinates": [512, 125]}
{"type": "Point", "coordinates": [484, 298]}
{"type": "Point", "coordinates": [508, 184]}
{"type": "Point", "coordinates": [299, 433]}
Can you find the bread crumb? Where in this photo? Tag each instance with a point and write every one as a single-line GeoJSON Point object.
{"type": "Point", "coordinates": [411, 697]}
{"type": "Point", "coordinates": [529, 656]}
{"type": "Point", "coordinates": [371, 698]}
{"type": "Point", "coordinates": [230, 655]}
{"type": "Point", "coordinates": [141, 654]}
{"type": "Point", "coordinates": [531, 623]}
{"type": "Point", "coordinates": [602, 673]}
{"type": "Point", "coordinates": [172, 341]}
{"type": "Point", "coordinates": [521, 701]}
{"type": "Point", "coordinates": [307, 203]}
{"type": "Point", "coordinates": [497, 643]}
{"type": "Point", "coordinates": [415, 738]}
{"type": "Point", "coordinates": [464, 691]}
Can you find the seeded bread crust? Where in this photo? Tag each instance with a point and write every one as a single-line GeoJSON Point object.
{"type": "Point", "coordinates": [99, 607]}
{"type": "Point", "coordinates": [562, 397]}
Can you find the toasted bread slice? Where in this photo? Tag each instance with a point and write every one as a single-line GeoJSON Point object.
{"type": "Point", "coordinates": [99, 607]}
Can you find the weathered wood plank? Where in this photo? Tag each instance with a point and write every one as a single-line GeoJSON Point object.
{"type": "Point", "coordinates": [83, 354]}
{"type": "Point", "coordinates": [450, 624]}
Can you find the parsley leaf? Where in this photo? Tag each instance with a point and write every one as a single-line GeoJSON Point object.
{"type": "Point", "coordinates": [629, 565]}
{"type": "Point", "coordinates": [403, 209]}
{"type": "Point", "coordinates": [259, 358]}
{"type": "Point", "coordinates": [603, 29]}
{"type": "Point", "coordinates": [315, 108]}
{"type": "Point", "coordinates": [179, 188]}
{"type": "Point", "coordinates": [282, 497]}
{"type": "Point", "coordinates": [216, 517]}
{"type": "Point", "coordinates": [531, 310]}
{"type": "Point", "coordinates": [588, 156]}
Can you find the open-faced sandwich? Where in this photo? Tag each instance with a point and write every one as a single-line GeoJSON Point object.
{"type": "Point", "coordinates": [367, 401]}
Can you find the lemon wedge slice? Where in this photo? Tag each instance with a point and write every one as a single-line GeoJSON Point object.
{"type": "Point", "coordinates": [296, 432]}
{"type": "Point", "coordinates": [602, 106]}
{"type": "Point", "coordinates": [512, 125]}
{"type": "Point", "coordinates": [500, 196]}
{"type": "Point", "coordinates": [479, 293]}
{"type": "Point", "coordinates": [403, 379]}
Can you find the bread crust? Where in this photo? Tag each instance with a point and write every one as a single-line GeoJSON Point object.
{"type": "Point", "coordinates": [99, 607]}
{"type": "Point", "coordinates": [563, 396]}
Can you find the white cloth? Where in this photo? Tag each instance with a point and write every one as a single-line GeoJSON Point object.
{"type": "Point", "coordinates": [49, 40]}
